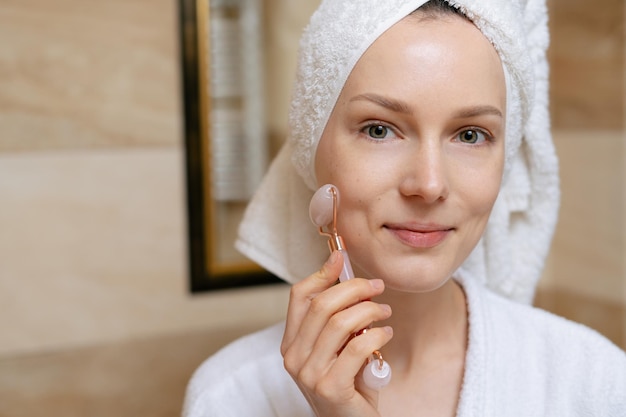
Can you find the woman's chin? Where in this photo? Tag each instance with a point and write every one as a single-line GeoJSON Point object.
{"type": "Point", "coordinates": [423, 286]}
{"type": "Point", "coordinates": [416, 282]}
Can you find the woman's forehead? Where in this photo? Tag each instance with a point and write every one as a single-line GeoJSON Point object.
{"type": "Point", "coordinates": [429, 57]}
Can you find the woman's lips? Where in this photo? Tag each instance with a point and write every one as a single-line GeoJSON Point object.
{"type": "Point", "coordinates": [420, 236]}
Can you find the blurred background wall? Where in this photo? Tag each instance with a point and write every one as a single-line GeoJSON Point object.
{"type": "Point", "coordinates": [585, 279]}
{"type": "Point", "coordinates": [96, 318]}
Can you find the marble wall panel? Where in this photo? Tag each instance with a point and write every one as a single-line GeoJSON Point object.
{"type": "Point", "coordinates": [93, 250]}
{"type": "Point", "coordinates": [587, 63]}
{"type": "Point", "coordinates": [86, 73]}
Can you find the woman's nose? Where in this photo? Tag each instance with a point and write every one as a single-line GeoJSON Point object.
{"type": "Point", "coordinates": [425, 174]}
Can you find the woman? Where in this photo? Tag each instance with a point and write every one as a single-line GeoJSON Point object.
{"type": "Point", "coordinates": [431, 121]}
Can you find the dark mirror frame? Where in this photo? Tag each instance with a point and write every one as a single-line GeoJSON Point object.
{"type": "Point", "coordinates": [204, 274]}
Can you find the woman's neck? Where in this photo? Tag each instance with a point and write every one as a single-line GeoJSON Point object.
{"type": "Point", "coordinates": [428, 327]}
{"type": "Point", "coordinates": [427, 352]}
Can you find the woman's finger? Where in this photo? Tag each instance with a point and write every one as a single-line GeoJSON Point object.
{"type": "Point", "coordinates": [354, 356]}
{"type": "Point", "coordinates": [327, 304]}
{"type": "Point", "coordinates": [306, 290]}
{"type": "Point", "coordinates": [341, 327]}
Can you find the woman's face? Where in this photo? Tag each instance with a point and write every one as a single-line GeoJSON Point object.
{"type": "Point", "coordinates": [415, 145]}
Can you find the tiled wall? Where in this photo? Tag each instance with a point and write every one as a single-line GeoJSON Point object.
{"type": "Point", "coordinates": [587, 61]}
{"type": "Point", "coordinates": [92, 213]}
{"type": "Point", "coordinates": [586, 275]}
{"type": "Point", "coordinates": [92, 216]}
{"type": "Point", "coordinates": [82, 74]}
{"type": "Point", "coordinates": [96, 315]}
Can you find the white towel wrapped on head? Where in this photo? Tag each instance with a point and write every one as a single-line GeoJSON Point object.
{"type": "Point", "coordinates": [276, 231]}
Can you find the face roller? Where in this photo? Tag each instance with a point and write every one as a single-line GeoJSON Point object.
{"type": "Point", "coordinates": [323, 213]}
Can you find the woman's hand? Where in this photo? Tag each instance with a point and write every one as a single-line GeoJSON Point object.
{"type": "Point", "coordinates": [318, 347]}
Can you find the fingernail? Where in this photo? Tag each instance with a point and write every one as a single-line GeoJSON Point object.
{"type": "Point", "coordinates": [333, 258]}
{"type": "Point", "coordinates": [388, 330]}
{"type": "Point", "coordinates": [377, 284]}
{"type": "Point", "coordinates": [386, 308]}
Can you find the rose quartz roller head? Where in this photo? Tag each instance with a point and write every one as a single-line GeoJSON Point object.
{"type": "Point", "coordinates": [377, 372]}
{"type": "Point", "coordinates": [323, 213]}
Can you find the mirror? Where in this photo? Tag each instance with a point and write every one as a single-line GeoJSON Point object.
{"type": "Point", "coordinates": [226, 144]}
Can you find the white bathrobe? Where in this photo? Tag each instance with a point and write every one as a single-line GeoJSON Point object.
{"type": "Point", "coordinates": [521, 361]}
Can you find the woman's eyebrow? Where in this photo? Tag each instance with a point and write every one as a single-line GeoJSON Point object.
{"type": "Point", "coordinates": [480, 110]}
{"type": "Point", "coordinates": [388, 103]}
{"type": "Point", "coordinates": [399, 106]}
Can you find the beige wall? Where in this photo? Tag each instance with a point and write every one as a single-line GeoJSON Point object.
{"type": "Point", "coordinates": [586, 275]}
{"type": "Point", "coordinates": [92, 213]}
{"type": "Point", "coordinates": [92, 220]}
{"type": "Point", "coordinates": [88, 74]}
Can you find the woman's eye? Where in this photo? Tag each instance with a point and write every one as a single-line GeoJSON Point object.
{"type": "Point", "coordinates": [472, 136]}
{"type": "Point", "coordinates": [377, 131]}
